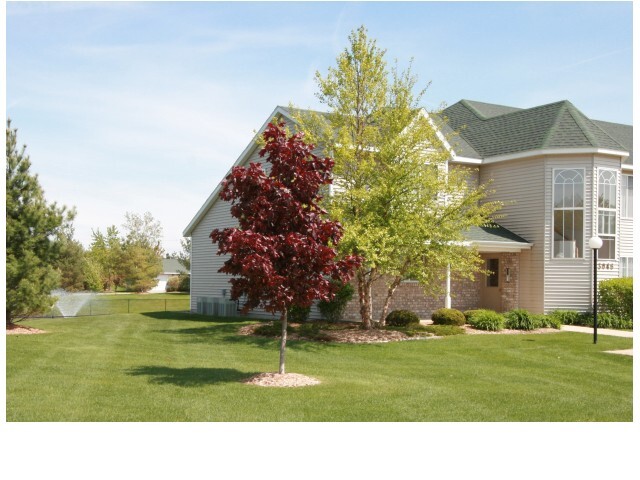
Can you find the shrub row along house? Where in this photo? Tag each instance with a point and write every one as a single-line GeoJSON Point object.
{"type": "Point", "coordinates": [562, 178]}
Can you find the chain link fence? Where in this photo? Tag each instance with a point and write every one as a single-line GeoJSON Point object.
{"type": "Point", "coordinates": [96, 306]}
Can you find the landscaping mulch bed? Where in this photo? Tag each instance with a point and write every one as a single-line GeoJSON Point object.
{"type": "Point", "coordinates": [22, 330]}
{"type": "Point", "coordinates": [472, 331]}
{"type": "Point", "coordinates": [270, 379]}
{"type": "Point", "coordinates": [347, 334]}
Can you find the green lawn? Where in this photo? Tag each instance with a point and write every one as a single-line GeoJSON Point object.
{"type": "Point", "coordinates": [180, 367]}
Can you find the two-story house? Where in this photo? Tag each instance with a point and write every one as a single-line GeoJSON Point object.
{"type": "Point", "coordinates": [563, 178]}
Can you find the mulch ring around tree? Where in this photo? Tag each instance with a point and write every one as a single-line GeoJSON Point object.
{"type": "Point", "coordinates": [14, 329]}
{"type": "Point", "coordinates": [270, 379]}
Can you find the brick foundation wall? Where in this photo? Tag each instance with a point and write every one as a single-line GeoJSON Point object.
{"type": "Point", "coordinates": [465, 294]}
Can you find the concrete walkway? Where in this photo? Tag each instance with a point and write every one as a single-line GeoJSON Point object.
{"type": "Point", "coordinates": [601, 331]}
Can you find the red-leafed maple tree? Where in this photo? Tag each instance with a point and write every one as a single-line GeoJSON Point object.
{"type": "Point", "coordinates": [283, 253]}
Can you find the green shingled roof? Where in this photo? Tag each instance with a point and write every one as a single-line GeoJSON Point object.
{"type": "Point", "coordinates": [492, 232]}
{"type": "Point", "coordinates": [487, 130]}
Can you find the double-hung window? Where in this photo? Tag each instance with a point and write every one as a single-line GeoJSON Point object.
{"type": "Point", "coordinates": [607, 195]}
{"type": "Point", "coordinates": [626, 196]}
{"type": "Point", "coordinates": [568, 213]}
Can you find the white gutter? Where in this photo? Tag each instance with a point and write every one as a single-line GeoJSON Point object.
{"type": "Point", "coordinates": [557, 151]}
{"type": "Point", "coordinates": [493, 246]}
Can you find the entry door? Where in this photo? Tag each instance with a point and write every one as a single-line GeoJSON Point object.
{"type": "Point", "coordinates": [491, 290]}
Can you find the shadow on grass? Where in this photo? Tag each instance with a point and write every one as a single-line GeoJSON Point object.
{"type": "Point", "coordinates": [228, 333]}
{"type": "Point", "coordinates": [189, 377]}
{"type": "Point", "coordinates": [194, 317]}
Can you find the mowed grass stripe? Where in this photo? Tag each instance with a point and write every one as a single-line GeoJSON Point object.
{"type": "Point", "coordinates": [180, 367]}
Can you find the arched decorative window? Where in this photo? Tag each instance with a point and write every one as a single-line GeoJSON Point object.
{"type": "Point", "coordinates": [607, 201]}
{"type": "Point", "coordinates": [568, 213]}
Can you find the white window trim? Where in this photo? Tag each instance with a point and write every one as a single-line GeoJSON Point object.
{"type": "Point", "coordinates": [615, 210]}
{"type": "Point", "coordinates": [553, 209]}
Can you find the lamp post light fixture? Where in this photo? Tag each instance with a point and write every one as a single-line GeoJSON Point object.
{"type": "Point", "coordinates": [595, 243]}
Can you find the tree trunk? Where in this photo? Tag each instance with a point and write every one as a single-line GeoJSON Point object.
{"type": "Point", "coordinates": [387, 301]}
{"type": "Point", "coordinates": [283, 341]}
{"type": "Point", "coordinates": [364, 296]}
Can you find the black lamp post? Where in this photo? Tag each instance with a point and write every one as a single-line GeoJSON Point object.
{"type": "Point", "coordinates": [595, 243]}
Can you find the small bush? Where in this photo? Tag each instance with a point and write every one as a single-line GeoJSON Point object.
{"type": "Point", "coordinates": [299, 314]}
{"type": "Point", "coordinates": [448, 316]}
{"type": "Point", "coordinates": [470, 313]}
{"type": "Point", "coordinates": [444, 330]}
{"type": "Point", "coordinates": [546, 321]}
{"type": "Point", "coordinates": [402, 318]}
{"type": "Point", "coordinates": [486, 320]}
{"type": "Point", "coordinates": [609, 320]}
{"type": "Point", "coordinates": [178, 283]}
{"type": "Point", "coordinates": [520, 319]}
{"type": "Point", "coordinates": [615, 296]}
{"type": "Point", "coordinates": [334, 309]}
{"type": "Point", "coordinates": [567, 317]}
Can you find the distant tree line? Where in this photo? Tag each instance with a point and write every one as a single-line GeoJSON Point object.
{"type": "Point", "coordinates": [43, 255]}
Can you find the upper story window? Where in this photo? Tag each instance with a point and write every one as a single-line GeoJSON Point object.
{"type": "Point", "coordinates": [607, 187]}
{"type": "Point", "coordinates": [626, 196]}
{"type": "Point", "coordinates": [568, 213]}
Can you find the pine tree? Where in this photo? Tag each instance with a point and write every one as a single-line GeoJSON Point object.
{"type": "Point", "coordinates": [33, 228]}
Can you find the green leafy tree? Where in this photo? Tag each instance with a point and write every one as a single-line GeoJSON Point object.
{"type": "Point", "coordinates": [141, 266]}
{"type": "Point", "coordinates": [105, 256]}
{"type": "Point", "coordinates": [184, 257]}
{"type": "Point", "coordinates": [72, 262]}
{"type": "Point", "coordinates": [142, 252]}
{"type": "Point", "coordinates": [33, 227]}
{"type": "Point", "coordinates": [401, 205]}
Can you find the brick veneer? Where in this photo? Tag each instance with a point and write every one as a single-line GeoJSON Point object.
{"type": "Point", "coordinates": [465, 294]}
{"type": "Point", "coordinates": [409, 295]}
{"type": "Point", "coordinates": [510, 290]}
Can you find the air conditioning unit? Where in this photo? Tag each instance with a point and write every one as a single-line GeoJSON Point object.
{"type": "Point", "coordinates": [216, 307]}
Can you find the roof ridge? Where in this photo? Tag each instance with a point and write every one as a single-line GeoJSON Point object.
{"type": "Point", "coordinates": [563, 108]}
{"type": "Point", "coordinates": [579, 117]}
{"type": "Point", "coordinates": [593, 122]}
{"type": "Point", "coordinates": [472, 109]}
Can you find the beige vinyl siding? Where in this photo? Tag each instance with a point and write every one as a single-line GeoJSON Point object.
{"type": "Point", "coordinates": [626, 233]}
{"type": "Point", "coordinates": [519, 185]}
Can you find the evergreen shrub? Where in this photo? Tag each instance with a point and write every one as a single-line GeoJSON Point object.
{"type": "Point", "coordinates": [298, 314]}
{"type": "Point", "coordinates": [448, 316]}
{"type": "Point", "coordinates": [402, 318]}
{"type": "Point", "coordinates": [333, 310]}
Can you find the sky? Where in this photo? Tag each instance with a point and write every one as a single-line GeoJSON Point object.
{"type": "Point", "coordinates": [136, 107]}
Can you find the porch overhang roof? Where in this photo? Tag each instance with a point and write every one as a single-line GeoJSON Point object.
{"type": "Point", "coordinates": [495, 238]}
